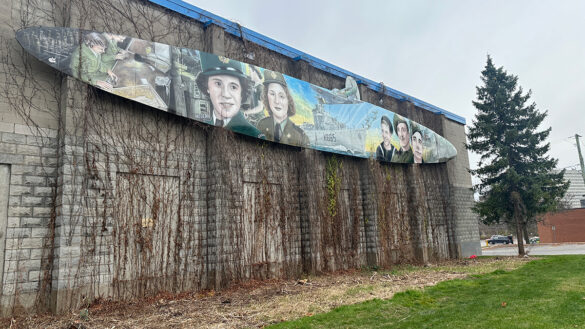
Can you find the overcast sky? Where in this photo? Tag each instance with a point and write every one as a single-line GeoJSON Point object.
{"type": "Point", "coordinates": [436, 50]}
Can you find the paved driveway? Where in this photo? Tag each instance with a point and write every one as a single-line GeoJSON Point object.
{"type": "Point", "coordinates": [537, 249]}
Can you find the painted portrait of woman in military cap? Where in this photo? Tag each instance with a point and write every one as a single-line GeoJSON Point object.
{"type": "Point", "coordinates": [224, 81]}
{"type": "Point", "coordinates": [279, 103]}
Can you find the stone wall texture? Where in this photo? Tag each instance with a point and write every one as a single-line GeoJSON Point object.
{"type": "Point", "coordinates": [103, 197]}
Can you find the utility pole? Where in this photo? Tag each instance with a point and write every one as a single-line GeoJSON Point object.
{"type": "Point", "coordinates": [580, 157]}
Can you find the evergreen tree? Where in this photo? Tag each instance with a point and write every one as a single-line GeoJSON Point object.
{"type": "Point", "coordinates": [517, 182]}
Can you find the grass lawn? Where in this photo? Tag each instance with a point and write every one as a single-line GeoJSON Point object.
{"type": "Point", "coordinates": [545, 293]}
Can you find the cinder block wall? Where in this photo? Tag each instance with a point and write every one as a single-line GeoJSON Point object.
{"type": "Point", "coordinates": [465, 232]}
{"type": "Point", "coordinates": [28, 168]}
{"type": "Point", "coordinates": [109, 198]}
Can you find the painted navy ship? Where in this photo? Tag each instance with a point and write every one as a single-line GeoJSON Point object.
{"type": "Point", "coordinates": [332, 135]}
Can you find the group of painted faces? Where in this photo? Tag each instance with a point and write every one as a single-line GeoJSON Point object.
{"type": "Point", "coordinates": [404, 138]}
{"type": "Point", "coordinates": [225, 92]}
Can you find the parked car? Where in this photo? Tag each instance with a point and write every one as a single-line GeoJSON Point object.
{"type": "Point", "coordinates": [534, 240]}
{"type": "Point", "coordinates": [495, 239]}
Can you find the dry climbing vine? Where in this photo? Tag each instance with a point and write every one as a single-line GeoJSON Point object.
{"type": "Point", "coordinates": [333, 180]}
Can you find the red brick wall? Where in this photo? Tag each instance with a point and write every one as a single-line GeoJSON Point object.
{"type": "Point", "coordinates": [569, 226]}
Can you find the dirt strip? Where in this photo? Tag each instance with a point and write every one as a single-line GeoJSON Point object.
{"type": "Point", "coordinates": [259, 303]}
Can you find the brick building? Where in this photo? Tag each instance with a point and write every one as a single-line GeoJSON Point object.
{"type": "Point", "coordinates": [564, 226]}
{"type": "Point", "coordinates": [103, 197]}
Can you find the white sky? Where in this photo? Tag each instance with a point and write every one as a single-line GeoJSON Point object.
{"type": "Point", "coordinates": [435, 50]}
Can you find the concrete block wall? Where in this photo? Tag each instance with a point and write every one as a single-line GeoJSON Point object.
{"type": "Point", "coordinates": [254, 211]}
{"type": "Point", "coordinates": [334, 232]}
{"type": "Point", "coordinates": [465, 230]}
{"type": "Point", "coordinates": [28, 157]}
{"type": "Point", "coordinates": [133, 204]}
{"type": "Point", "coordinates": [218, 208]}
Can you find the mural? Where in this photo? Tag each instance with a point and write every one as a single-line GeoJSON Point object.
{"type": "Point", "coordinates": [237, 96]}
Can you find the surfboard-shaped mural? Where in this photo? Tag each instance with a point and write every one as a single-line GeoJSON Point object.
{"type": "Point", "coordinates": [241, 97]}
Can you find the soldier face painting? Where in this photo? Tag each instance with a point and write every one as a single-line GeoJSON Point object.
{"type": "Point", "coordinates": [417, 147]}
{"type": "Point", "coordinates": [225, 92]}
{"type": "Point", "coordinates": [277, 102]}
{"type": "Point", "coordinates": [98, 49]}
{"type": "Point", "coordinates": [386, 135]}
{"type": "Point", "coordinates": [403, 136]}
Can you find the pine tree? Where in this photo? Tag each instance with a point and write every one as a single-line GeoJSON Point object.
{"type": "Point", "coordinates": [517, 182]}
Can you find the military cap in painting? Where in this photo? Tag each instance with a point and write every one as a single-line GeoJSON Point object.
{"type": "Point", "coordinates": [386, 120]}
{"type": "Point", "coordinates": [415, 128]}
{"type": "Point", "coordinates": [273, 77]}
{"type": "Point", "coordinates": [397, 120]}
{"type": "Point", "coordinates": [218, 65]}
{"type": "Point", "coordinates": [94, 39]}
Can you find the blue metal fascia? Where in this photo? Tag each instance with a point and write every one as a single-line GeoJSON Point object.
{"type": "Point", "coordinates": [233, 28]}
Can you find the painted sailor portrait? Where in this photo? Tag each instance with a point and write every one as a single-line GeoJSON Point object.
{"type": "Point", "coordinates": [385, 150]}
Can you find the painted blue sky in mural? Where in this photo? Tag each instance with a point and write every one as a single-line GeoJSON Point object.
{"type": "Point", "coordinates": [357, 115]}
{"type": "Point", "coordinates": [302, 89]}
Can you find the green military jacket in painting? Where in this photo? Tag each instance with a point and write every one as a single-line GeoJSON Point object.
{"type": "Point", "coordinates": [109, 55]}
{"type": "Point", "coordinates": [291, 134]}
{"type": "Point", "coordinates": [239, 124]}
{"type": "Point", "coordinates": [87, 65]}
{"type": "Point", "coordinates": [401, 156]}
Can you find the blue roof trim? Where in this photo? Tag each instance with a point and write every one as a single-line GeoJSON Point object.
{"type": "Point", "coordinates": [208, 18]}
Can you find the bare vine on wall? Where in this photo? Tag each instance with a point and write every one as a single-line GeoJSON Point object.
{"type": "Point", "coordinates": [107, 151]}
{"type": "Point", "coordinates": [28, 99]}
{"type": "Point", "coordinates": [129, 195]}
{"type": "Point", "coordinates": [333, 180]}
